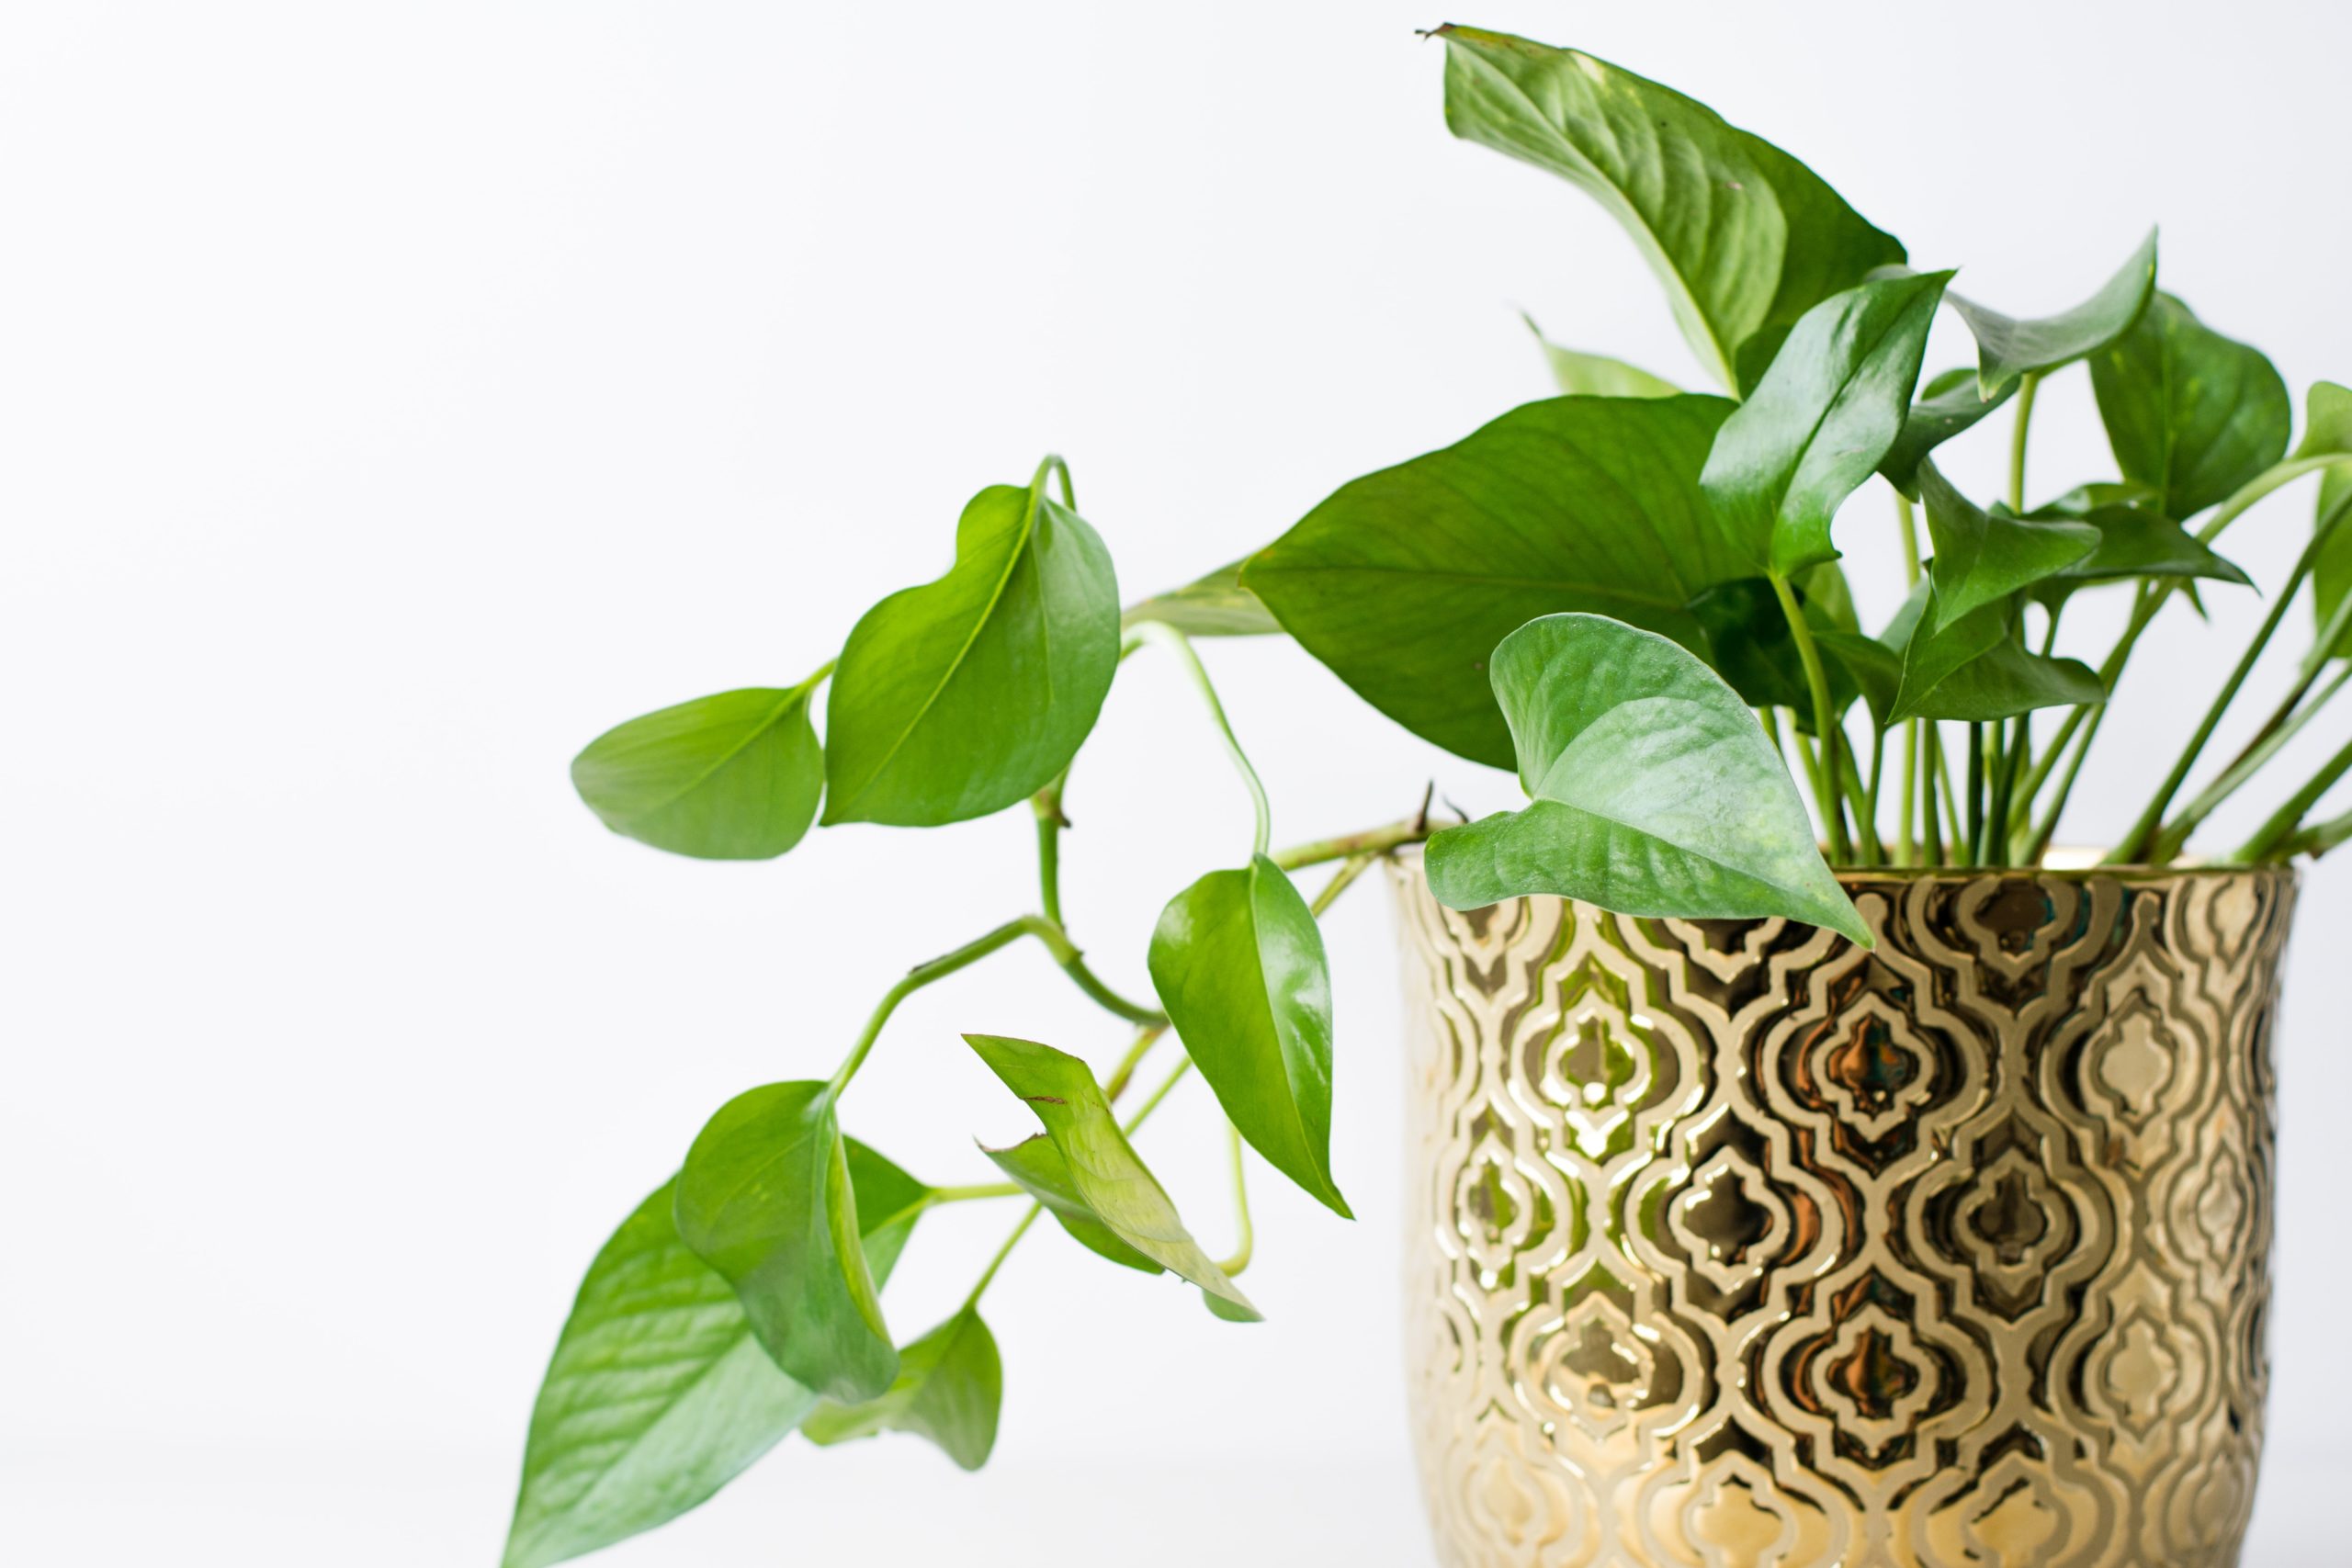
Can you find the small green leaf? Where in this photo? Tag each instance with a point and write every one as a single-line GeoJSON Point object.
{"type": "Point", "coordinates": [1655, 792]}
{"type": "Point", "coordinates": [1239, 963]}
{"type": "Point", "coordinates": [2327, 429]}
{"type": "Point", "coordinates": [2007, 347]}
{"type": "Point", "coordinates": [1974, 669]}
{"type": "Point", "coordinates": [1744, 237]}
{"type": "Point", "coordinates": [1105, 1172]}
{"type": "Point", "coordinates": [1867, 665]}
{"type": "Point", "coordinates": [2191, 413]}
{"type": "Point", "coordinates": [1982, 558]}
{"type": "Point", "coordinates": [949, 1389]}
{"type": "Point", "coordinates": [1404, 581]}
{"type": "Point", "coordinates": [659, 1393]}
{"type": "Point", "coordinates": [2133, 543]}
{"type": "Point", "coordinates": [765, 1199]}
{"type": "Point", "coordinates": [1947, 405]}
{"type": "Point", "coordinates": [1597, 375]}
{"type": "Point", "coordinates": [1818, 424]}
{"type": "Point", "coordinates": [1038, 1165]}
{"type": "Point", "coordinates": [1214, 605]}
{"type": "Point", "coordinates": [961, 696]}
{"type": "Point", "coordinates": [731, 777]}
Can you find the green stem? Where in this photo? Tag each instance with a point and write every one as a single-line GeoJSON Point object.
{"type": "Point", "coordinates": [2274, 737]}
{"type": "Point", "coordinates": [2004, 795]}
{"type": "Point", "coordinates": [1906, 849]}
{"type": "Point", "coordinates": [2287, 821]}
{"type": "Point", "coordinates": [1178, 643]}
{"type": "Point", "coordinates": [1347, 846]}
{"type": "Point", "coordinates": [2028, 385]}
{"type": "Point", "coordinates": [988, 1275]}
{"type": "Point", "coordinates": [1817, 680]}
{"type": "Point", "coordinates": [1851, 786]}
{"type": "Point", "coordinates": [2048, 831]}
{"type": "Point", "coordinates": [1349, 869]}
{"type": "Point", "coordinates": [916, 979]}
{"type": "Point", "coordinates": [1048, 803]}
{"type": "Point", "coordinates": [1125, 1071]}
{"type": "Point", "coordinates": [1910, 520]}
{"type": "Point", "coordinates": [971, 1194]}
{"type": "Point", "coordinates": [1931, 761]}
{"type": "Point", "coordinates": [1975, 794]}
{"type": "Point", "coordinates": [1233, 1266]}
{"type": "Point", "coordinates": [1175, 1076]}
{"type": "Point", "coordinates": [1871, 848]}
{"type": "Point", "coordinates": [1052, 464]}
{"type": "Point", "coordinates": [1951, 799]}
{"type": "Point", "coordinates": [2319, 837]}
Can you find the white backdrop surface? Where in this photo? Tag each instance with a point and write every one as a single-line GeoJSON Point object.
{"type": "Point", "coordinates": [393, 397]}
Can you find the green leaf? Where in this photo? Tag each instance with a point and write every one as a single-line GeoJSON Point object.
{"type": "Point", "coordinates": [1751, 646]}
{"type": "Point", "coordinates": [1597, 375]}
{"type": "Point", "coordinates": [1214, 605]}
{"type": "Point", "coordinates": [1982, 558]}
{"type": "Point", "coordinates": [961, 696]}
{"type": "Point", "coordinates": [2132, 543]}
{"type": "Point", "coordinates": [1947, 406]}
{"type": "Point", "coordinates": [731, 777]}
{"type": "Point", "coordinates": [1974, 669]}
{"type": "Point", "coordinates": [1655, 792]}
{"type": "Point", "coordinates": [1239, 963]}
{"type": "Point", "coordinates": [1404, 581]}
{"type": "Point", "coordinates": [1744, 237]}
{"type": "Point", "coordinates": [659, 1393]}
{"type": "Point", "coordinates": [1816, 428]}
{"type": "Point", "coordinates": [765, 1199]}
{"type": "Point", "coordinates": [2191, 413]}
{"type": "Point", "coordinates": [1867, 665]}
{"type": "Point", "coordinates": [2327, 429]}
{"type": "Point", "coordinates": [2007, 347]}
{"type": "Point", "coordinates": [949, 1389]}
{"type": "Point", "coordinates": [1036, 1163]}
{"type": "Point", "coordinates": [1105, 1172]}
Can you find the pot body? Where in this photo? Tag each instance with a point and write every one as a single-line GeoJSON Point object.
{"type": "Point", "coordinates": [1736, 1245]}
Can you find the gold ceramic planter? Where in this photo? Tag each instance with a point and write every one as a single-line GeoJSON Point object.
{"type": "Point", "coordinates": [1734, 1246]}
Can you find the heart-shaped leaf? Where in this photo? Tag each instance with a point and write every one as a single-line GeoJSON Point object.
{"type": "Point", "coordinates": [731, 777]}
{"type": "Point", "coordinates": [961, 696]}
{"type": "Point", "coordinates": [2189, 411]}
{"type": "Point", "coordinates": [1404, 581]}
{"type": "Point", "coordinates": [1036, 1163]}
{"type": "Point", "coordinates": [1744, 237]}
{"type": "Point", "coordinates": [949, 1389]}
{"type": "Point", "coordinates": [659, 1393]}
{"type": "Point", "coordinates": [1974, 669]}
{"type": "Point", "coordinates": [765, 1199]}
{"type": "Point", "coordinates": [1596, 375]}
{"type": "Point", "coordinates": [1982, 558]}
{"type": "Point", "coordinates": [2007, 347]}
{"type": "Point", "coordinates": [1655, 792]}
{"type": "Point", "coordinates": [1239, 963]}
{"type": "Point", "coordinates": [1816, 426]}
{"type": "Point", "coordinates": [1105, 1172]}
{"type": "Point", "coordinates": [1214, 605]}
{"type": "Point", "coordinates": [1947, 405]}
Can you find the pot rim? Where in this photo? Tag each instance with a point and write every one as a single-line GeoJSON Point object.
{"type": "Point", "coordinates": [2067, 865]}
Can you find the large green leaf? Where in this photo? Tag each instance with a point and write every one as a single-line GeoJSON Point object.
{"type": "Point", "coordinates": [1816, 428]}
{"type": "Point", "coordinates": [2327, 428]}
{"type": "Point", "coordinates": [966, 694]}
{"type": "Point", "coordinates": [1578, 374]}
{"type": "Point", "coordinates": [765, 1199]}
{"type": "Point", "coordinates": [949, 1389]}
{"type": "Point", "coordinates": [659, 1393]}
{"type": "Point", "coordinates": [1981, 556]}
{"type": "Point", "coordinates": [2191, 413]}
{"type": "Point", "coordinates": [1036, 1163]}
{"type": "Point", "coordinates": [1105, 1172]}
{"type": "Point", "coordinates": [1947, 405]}
{"type": "Point", "coordinates": [2008, 347]}
{"type": "Point", "coordinates": [1404, 581]}
{"type": "Point", "coordinates": [1655, 792]}
{"type": "Point", "coordinates": [1214, 605]}
{"type": "Point", "coordinates": [731, 777]}
{"type": "Point", "coordinates": [1238, 961]}
{"type": "Point", "coordinates": [1744, 237]}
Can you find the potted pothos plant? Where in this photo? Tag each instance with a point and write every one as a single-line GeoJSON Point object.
{"type": "Point", "coordinates": [1628, 593]}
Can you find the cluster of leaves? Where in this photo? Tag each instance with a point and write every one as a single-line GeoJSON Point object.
{"type": "Point", "coordinates": [1630, 595]}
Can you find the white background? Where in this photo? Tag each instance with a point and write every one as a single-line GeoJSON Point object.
{"type": "Point", "coordinates": [391, 398]}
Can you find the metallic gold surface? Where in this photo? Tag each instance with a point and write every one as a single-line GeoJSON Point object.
{"type": "Point", "coordinates": [1734, 1246]}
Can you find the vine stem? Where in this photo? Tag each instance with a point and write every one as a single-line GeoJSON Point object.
{"type": "Point", "coordinates": [1176, 642]}
{"type": "Point", "coordinates": [1248, 1242]}
{"type": "Point", "coordinates": [1349, 869]}
{"type": "Point", "coordinates": [2264, 746]}
{"type": "Point", "coordinates": [2028, 385]}
{"type": "Point", "coordinates": [1125, 1071]}
{"type": "Point", "coordinates": [1909, 519]}
{"type": "Point", "coordinates": [1347, 846]}
{"type": "Point", "coordinates": [1833, 811]}
{"type": "Point", "coordinates": [972, 1194]}
{"type": "Point", "coordinates": [2286, 822]}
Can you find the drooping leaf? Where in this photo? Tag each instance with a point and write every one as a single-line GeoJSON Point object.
{"type": "Point", "coordinates": [949, 1390]}
{"type": "Point", "coordinates": [1655, 789]}
{"type": "Point", "coordinates": [2327, 429]}
{"type": "Point", "coordinates": [1237, 960]}
{"type": "Point", "coordinates": [2008, 347]}
{"type": "Point", "coordinates": [968, 693]}
{"type": "Point", "coordinates": [2191, 413]}
{"type": "Point", "coordinates": [1105, 1172]}
{"type": "Point", "coordinates": [1817, 424]}
{"type": "Point", "coordinates": [1947, 405]}
{"type": "Point", "coordinates": [1404, 581]}
{"type": "Point", "coordinates": [1982, 558]}
{"type": "Point", "coordinates": [1038, 1165]}
{"type": "Point", "coordinates": [1751, 646]}
{"type": "Point", "coordinates": [2133, 543]}
{"type": "Point", "coordinates": [765, 1199]}
{"type": "Point", "coordinates": [731, 777]}
{"type": "Point", "coordinates": [1214, 605]}
{"type": "Point", "coordinates": [1974, 668]}
{"type": "Point", "coordinates": [1744, 237]}
{"type": "Point", "coordinates": [1597, 375]}
{"type": "Point", "coordinates": [659, 1393]}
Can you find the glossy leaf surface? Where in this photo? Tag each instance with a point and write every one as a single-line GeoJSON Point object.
{"type": "Point", "coordinates": [2134, 542]}
{"type": "Point", "coordinates": [1404, 581]}
{"type": "Point", "coordinates": [1237, 960]}
{"type": "Point", "coordinates": [1597, 375]}
{"type": "Point", "coordinates": [2190, 413]}
{"type": "Point", "coordinates": [1947, 405]}
{"type": "Point", "coordinates": [1982, 558]}
{"type": "Point", "coordinates": [1744, 237]}
{"type": "Point", "coordinates": [949, 1390]}
{"type": "Point", "coordinates": [1036, 1163]}
{"type": "Point", "coordinates": [1214, 605]}
{"type": "Point", "coordinates": [2008, 347]}
{"type": "Point", "coordinates": [966, 694]}
{"type": "Point", "coordinates": [1106, 1173]}
{"type": "Point", "coordinates": [1816, 426]}
{"type": "Point", "coordinates": [1655, 789]}
{"type": "Point", "coordinates": [734, 776]}
{"type": "Point", "coordinates": [1974, 669]}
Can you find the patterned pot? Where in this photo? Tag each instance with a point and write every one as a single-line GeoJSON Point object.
{"type": "Point", "coordinates": [1734, 1246]}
